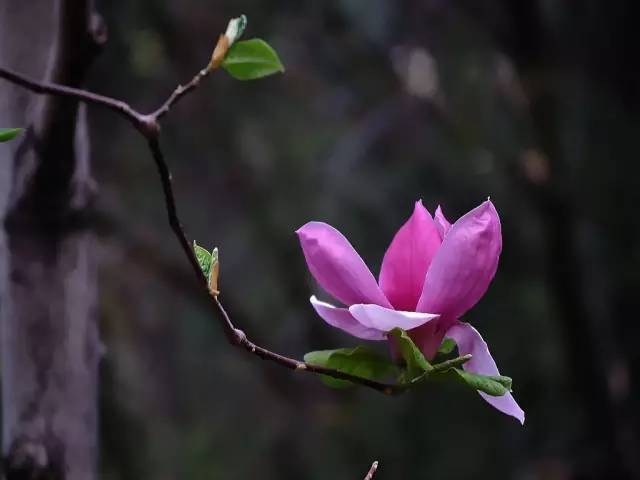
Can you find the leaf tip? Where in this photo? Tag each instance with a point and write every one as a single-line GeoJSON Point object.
{"type": "Point", "coordinates": [7, 134]}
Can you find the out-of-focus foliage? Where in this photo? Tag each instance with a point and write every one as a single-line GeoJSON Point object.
{"type": "Point", "coordinates": [383, 102]}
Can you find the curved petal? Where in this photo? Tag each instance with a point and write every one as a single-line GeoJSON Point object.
{"type": "Point", "coordinates": [385, 319]}
{"type": "Point", "coordinates": [337, 266]}
{"type": "Point", "coordinates": [342, 319]}
{"type": "Point", "coordinates": [442, 224]}
{"type": "Point", "coordinates": [429, 336]}
{"type": "Point", "coordinates": [470, 341]}
{"type": "Point", "coordinates": [407, 259]}
{"type": "Point", "coordinates": [464, 265]}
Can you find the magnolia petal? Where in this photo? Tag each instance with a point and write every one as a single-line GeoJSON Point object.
{"type": "Point", "coordinates": [470, 341]}
{"type": "Point", "coordinates": [442, 224]}
{"type": "Point", "coordinates": [407, 259]}
{"type": "Point", "coordinates": [342, 319]}
{"type": "Point", "coordinates": [385, 319]}
{"type": "Point", "coordinates": [464, 265]}
{"type": "Point", "coordinates": [429, 337]}
{"type": "Point", "coordinates": [337, 267]}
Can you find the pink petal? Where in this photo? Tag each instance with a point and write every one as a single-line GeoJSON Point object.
{"type": "Point", "coordinates": [385, 319]}
{"type": "Point", "coordinates": [429, 336]}
{"type": "Point", "coordinates": [408, 258]}
{"type": "Point", "coordinates": [464, 265]}
{"type": "Point", "coordinates": [342, 319]}
{"type": "Point", "coordinates": [442, 224]}
{"type": "Point", "coordinates": [470, 341]}
{"type": "Point", "coordinates": [337, 267]}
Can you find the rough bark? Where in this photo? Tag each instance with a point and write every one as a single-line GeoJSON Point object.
{"type": "Point", "coordinates": [48, 335]}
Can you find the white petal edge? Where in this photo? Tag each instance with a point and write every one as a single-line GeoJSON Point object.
{"type": "Point", "coordinates": [386, 319]}
{"type": "Point", "coordinates": [341, 318]}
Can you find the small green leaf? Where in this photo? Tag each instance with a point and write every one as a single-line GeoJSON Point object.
{"type": "Point", "coordinates": [251, 59]}
{"type": "Point", "coordinates": [447, 346]}
{"type": "Point", "coordinates": [494, 385]}
{"type": "Point", "coordinates": [204, 259]}
{"type": "Point", "coordinates": [359, 361]}
{"type": "Point", "coordinates": [417, 365]}
{"type": "Point", "coordinates": [7, 134]}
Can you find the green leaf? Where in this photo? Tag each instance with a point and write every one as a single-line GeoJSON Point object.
{"type": "Point", "coordinates": [494, 385]}
{"type": "Point", "coordinates": [204, 258]}
{"type": "Point", "coordinates": [7, 134]}
{"type": "Point", "coordinates": [320, 357]}
{"type": "Point", "coordinates": [447, 346]}
{"type": "Point", "coordinates": [251, 59]}
{"type": "Point", "coordinates": [451, 363]}
{"type": "Point", "coordinates": [359, 361]}
{"type": "Point", "coordinates": [417, 365]}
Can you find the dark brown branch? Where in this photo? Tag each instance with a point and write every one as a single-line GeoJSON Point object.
{"type": "Point", "coordinates": [170, 202]}
{"type": "Point", "coordinates": [148, 126]}
{"type": "Point", "coordinates": [35, 86]}
{"type": "Point", "coordinates": [372, 471]}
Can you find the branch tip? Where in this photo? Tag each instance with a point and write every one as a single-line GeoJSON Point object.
{"type": "Point", "coordinates": [372, 471]}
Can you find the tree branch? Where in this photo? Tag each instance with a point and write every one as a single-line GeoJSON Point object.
{"type": "Point", "coordinates": [180, 92]}
{"type": "Point", "coordinates": [372, 471]}
{"type": "Point", "coordinates": [148, 125]}
{"type": "Point", "coordinates": [63, 91]}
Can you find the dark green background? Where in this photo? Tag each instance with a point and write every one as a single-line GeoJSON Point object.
{"type": "Point", "coordinates": [383, 102]}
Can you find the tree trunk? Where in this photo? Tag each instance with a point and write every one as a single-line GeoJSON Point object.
{"type": "Point", "coordinates": [49, 337]}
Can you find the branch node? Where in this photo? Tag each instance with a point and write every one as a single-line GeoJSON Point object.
{"type": "Point", "coordinates": [149, 126]}
{"type": "Point", "coordinates": [240, 337]}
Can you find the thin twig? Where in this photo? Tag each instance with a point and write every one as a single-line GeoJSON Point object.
{"type": "Point", "coordinates": [372, 471]}
{"type": "Point", "coordinates": [180, 92]}
{"type": "Point", "coordinates": [170, 202]}
{"type": "Point", "coordinates": [148, 126]}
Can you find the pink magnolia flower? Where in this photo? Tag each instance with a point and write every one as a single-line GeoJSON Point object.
{"type": "Point", "coordinates": [432, 274]}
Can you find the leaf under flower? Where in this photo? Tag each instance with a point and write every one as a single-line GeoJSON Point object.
{"type": "Point", "coordinates": [416, 363]}
{"type": "Point", "coordinates": [360, 361]}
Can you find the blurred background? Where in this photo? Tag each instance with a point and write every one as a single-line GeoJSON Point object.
{"type": "Point", "coordinates": [383, 102]}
